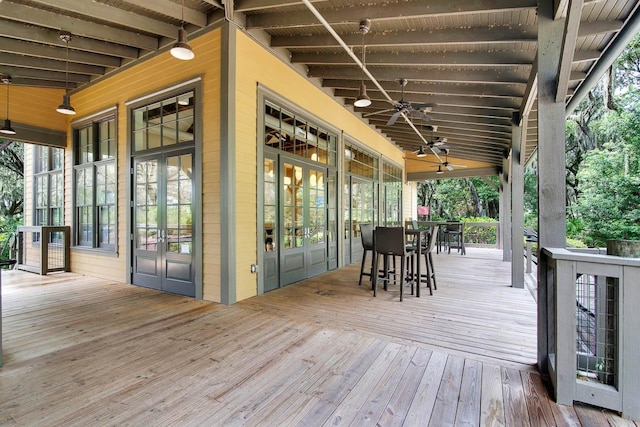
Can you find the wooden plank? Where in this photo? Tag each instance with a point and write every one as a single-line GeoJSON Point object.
{"type": "Point", "coordinates": [84, 351]}
{"type": "Point", "coordinates": [419, 412]}
{"type": "Point", "coordinates": [515, 407]}
{"type": "Point", "coordinates": [491, 400]}
{"type": "Point", "coordinates": [590, 416]}
{"type": "Point", "coordinates": [537, 400]}
{"type": "Point", "coordinates": [396, 409]}
{"type": "Point", "coordinates": [444, 410]}
{"type": "Point", "coordinates": [468, 413]}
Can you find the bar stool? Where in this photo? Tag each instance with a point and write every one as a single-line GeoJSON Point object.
{"type": "Point", "coordinates": [390, 242]}
{"type": "Point", "coordinates": [366, 234]}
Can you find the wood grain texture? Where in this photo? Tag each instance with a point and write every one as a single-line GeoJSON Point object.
{"type": "Point", "coordinates": [84, 351]}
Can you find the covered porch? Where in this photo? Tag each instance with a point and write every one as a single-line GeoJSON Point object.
{"type": "Point", "coordinates": [80, 350]}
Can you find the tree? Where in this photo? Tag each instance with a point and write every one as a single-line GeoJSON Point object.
{"type": "Point", "coordinates": [11, 179]}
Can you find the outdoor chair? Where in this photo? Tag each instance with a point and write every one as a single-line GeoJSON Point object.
{"type": "Point", "coordinates": [390, 242]}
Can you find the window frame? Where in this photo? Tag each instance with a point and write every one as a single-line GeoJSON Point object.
{"type": "Point", "coordinates": [52, 174]}
{"type": "Point", "coordinates": [87, 162]}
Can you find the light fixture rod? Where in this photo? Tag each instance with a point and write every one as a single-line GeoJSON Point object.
{"type": "Point", "coordinates": [353, 56]}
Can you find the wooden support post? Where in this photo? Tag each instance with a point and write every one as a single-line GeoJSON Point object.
{"type": "Point", "coordinates": [505, 220]}
{"type": "Point", "coordinates": [551, 162]}
{"type": "Point", "coordinates": [518, 141]}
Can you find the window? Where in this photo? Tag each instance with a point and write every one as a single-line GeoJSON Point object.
{"type": "Point", "coordinates": [49, 186]}
{"type": "Point", "coordinates": [294, 134]}
{"type": "Point", "coordinates": [392, 179]}
{"type": "Point", "coordinates": [95, 175]}
{"type": "Point", "coordinates": [164, 123]}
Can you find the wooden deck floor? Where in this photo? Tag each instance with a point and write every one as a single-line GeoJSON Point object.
{"type": "Point", "coordinates": [87, 352]}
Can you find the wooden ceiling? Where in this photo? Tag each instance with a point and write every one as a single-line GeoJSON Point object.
{"type": "Point", "coordinates": [472, 61]}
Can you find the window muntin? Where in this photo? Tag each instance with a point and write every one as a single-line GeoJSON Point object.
{"type": "Point", "coordinates": [286, 131]}
{"type": "Point", "coordinates": [95, 184]}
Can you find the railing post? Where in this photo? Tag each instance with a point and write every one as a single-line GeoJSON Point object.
{"type": "Point", "coordinates": [564, 331]}
{"type": "Point", "coordinates": [528, 256]}
{"type": "Point", "coordinates": [44, 250]}
{"type": "Point", "coordinates": [630, 322]}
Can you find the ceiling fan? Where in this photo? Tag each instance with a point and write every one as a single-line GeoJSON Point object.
{"type": "Point", "coordinates": [418, 110]}
{"type": "Point", "coordinates": [446, 164]}
{"type": "Point", "coordinates": [436, 144]}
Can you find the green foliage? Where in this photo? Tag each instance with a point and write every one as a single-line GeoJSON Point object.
{"type": "Point", "coordinates": [479, 235]}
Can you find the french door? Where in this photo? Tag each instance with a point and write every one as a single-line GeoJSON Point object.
{"type": "Point", "coordinates": [304, 221]}
{"type": "Point", "coordinates": [162, 222]}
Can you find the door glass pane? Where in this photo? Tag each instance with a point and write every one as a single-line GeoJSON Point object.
{"type": "Point", "coordinates": [317, 214]}
{"type": "Point", "coordinates": [179, 198]}
{"type": "Point", "coordinates": [269, 208]}
{"type": "Point", "coordinates": [288, 237]}
{"type": "Point", "coordinates": [146, 205]}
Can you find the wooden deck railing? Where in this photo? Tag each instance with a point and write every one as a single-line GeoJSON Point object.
{"type": "Point", "coordinates": [42, 258]}
{"type": "Point", "coordinates": [594, 329]}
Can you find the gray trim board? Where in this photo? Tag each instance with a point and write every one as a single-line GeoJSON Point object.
{"type": "Point", "coordinates": [228, 277]}
{"type": "Point", "coordinates": [38, 135]}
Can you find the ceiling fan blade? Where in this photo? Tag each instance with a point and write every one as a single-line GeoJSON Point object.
{"type": "Point", "coordinates": [449, 167]}
{"type": "Point", "coordinates": [393, 118]}
{"type": "Point", "coordinates": [435, 149]}
{"type": "Point", "coordinates": [458, 166]}
{"type": "Point", "coordinates": [378, 112]}
{"type": "Point", "coordinates": [420, 114]}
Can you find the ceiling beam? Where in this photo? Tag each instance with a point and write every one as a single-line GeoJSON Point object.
{"type": "Point", "coordinates": [469, 89]}
{"type": "Point", "coordinates": [449, 36]}
{"type": "Point", "coordinates": [174, 10]}
{"type": "Point", "coordinates": [104, 12]}
{"type": "Point", "coordinates": [51, 37]}
{"type": "Point", "coordinates": [427, 74]}
{"type": "Point", "coordinates": [249, 5]}
{"type": "Point", "coordinates": [10, 59]}
{"type": "Point", "coordinates": [32, 73]}
{"type": "Point", "coordinates": [569, 38]}
{"type": "Point", "coordinates": [20, 47]}
{"type": "Point", "coordinates": [448, 109]}
{"type": "Point", "coordinates": [468, 59]}
{"type": "Point", "coordinates": [412, 9]}
{"type": "Point", "coordinates": [489, 102]}
{"type": "Point", "coordinates": [81, 27]}
{"type": "Point", "coordinates": [464, 173]}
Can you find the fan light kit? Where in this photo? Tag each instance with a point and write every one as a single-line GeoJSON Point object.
{"type": "Point", "coordinates": [363, 99]}
{"type": "Point", "coordinates": [65, 107]}
{"type": "Point", "coordinates": [7, 129]}
{"type": "Point", "coordinates": [181, 49]}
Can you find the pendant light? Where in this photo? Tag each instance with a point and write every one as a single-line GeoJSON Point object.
{"type": "Point", "coordinates": [421, 152]}
{"type": "Point", "coordinates": [65, 107]}
{"type": "Point", "coordinates": [439, 171]}
{"type": "Point", "coordinates": [7, 129]}
{"type": "Point", "coordinates": [181, 48]}
{"type": "Point", "coordinates": [363, 99]}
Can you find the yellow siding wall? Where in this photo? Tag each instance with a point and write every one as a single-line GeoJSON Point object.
{"type": "Point", "coordinates": [256, 65]}
{"type": "Point", "coordinates": [33, 106]}
{"type": "Point", "coordinates": [410, 200]}
{"type": "Point", "coordinates": [156, 74]}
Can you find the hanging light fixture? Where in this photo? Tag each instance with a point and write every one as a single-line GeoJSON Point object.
{"type": "Point", "coordinates": [439, 171]}
{"type": "Point", "coordinates": [181, 48]}
{"type": "Point", "coordinates": [65, 107]}
{"type": "Point", "coordinates": [363, 99]}
{"type": "Point", "coordinates": [421, 152]}
{"type": "Point", "coordinates": [7, 129]}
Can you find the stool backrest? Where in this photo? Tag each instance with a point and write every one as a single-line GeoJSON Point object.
{"type": "Point", "coordinates": [433, 238]}
{"type": "Point", "coordinates": [390, 240]}
{"type": "Point", "coordinates": [366, 233]}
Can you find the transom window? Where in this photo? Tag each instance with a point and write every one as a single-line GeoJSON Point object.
{"type": "Point", "coordinates": [95, 170]}
{"type": "Point", "coordinates": [359, 162]}
{"type": "Point", "coordinates": [165, 123]}
{"type": "Point", "coordinates": [294, 134]}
